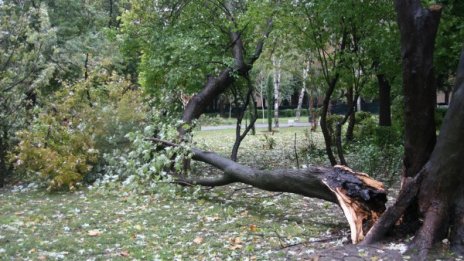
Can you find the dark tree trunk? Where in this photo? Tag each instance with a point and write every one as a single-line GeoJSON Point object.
{"type": "Point", "coordinates": [338, 129]}
{"type": "Point", "coordinates": [324, 127]}
{"type": "Point", "coordinates": [239, 136]}
{"type": "Point", "coordinates": [350, 129]}
{"type": "Point", "coordinates": [440, 196]}
{"type": "Point", "coordinates": [217, 85]}
{"type": "Point", "coordinates": [312, 113]}
{"type": "Point", "coordinates": [361, 198]}
{"type": "Point", "coordinates": [418, 27]}
{"type": "Point", "coordinates": [384, 100]}
{"type": "Point", "coordinates": [3, 166]}
{"type": "Point", "coordinates": [269, 89]}
{"type": "Point", "coordinates": [447, 95]}
{"type": "Point", "coordinates": [440, 184]}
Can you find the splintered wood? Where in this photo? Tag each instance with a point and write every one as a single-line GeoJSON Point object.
{"type": "Point", "coordinates": [361, 198]}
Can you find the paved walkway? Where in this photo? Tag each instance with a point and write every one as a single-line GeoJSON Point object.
{"type": "Point", "coordinates": [258, 126]}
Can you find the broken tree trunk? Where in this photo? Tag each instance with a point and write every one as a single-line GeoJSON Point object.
{"type": "Point", "coordinates": [361, 198]}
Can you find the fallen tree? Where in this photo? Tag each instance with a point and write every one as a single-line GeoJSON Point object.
{"type": "Point", "coordinates": [361, 198]}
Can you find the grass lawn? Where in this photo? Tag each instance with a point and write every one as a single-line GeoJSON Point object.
{"type": "Point", "coordinates": [227, 223]}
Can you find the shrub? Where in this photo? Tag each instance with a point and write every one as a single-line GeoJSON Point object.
{"type": "Point", "coordinates": [440, 116]}
{"type": "Point", "coordinates": [65, 144]}
{"type": "Point", "coordinates": [380, 162]}
{"type": "Point", "coordinates": [54, 154]}
{"type": "Point", "coordinates": [365, 127]}
{"type": "Point", "coordinates": [332, 121]}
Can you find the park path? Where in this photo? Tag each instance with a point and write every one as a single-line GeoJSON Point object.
{"type": "Point", "coordinates": [258, 126]}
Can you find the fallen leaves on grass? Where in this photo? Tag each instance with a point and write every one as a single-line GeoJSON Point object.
{"type": "Point", "coordinates": [198, 240]}
{"type": "Point", "coordinates": [235, 243]}
{"type": "Point", "coordinates": [94, 233]}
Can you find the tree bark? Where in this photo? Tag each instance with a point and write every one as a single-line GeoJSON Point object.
{"type": "Point", "coordinates": [440, 184]}
{"type": "Point", "coordinates": [312, 113]}
{"type": "Point", "coordinates": [384, 100]}
{"type": "Point", "coordinates": [418, 27]}
{"type": "Point", "coordinates": [217, 85]}
{"type": "Point", "coordinates": [441, 190]}
{"type": "Point", "coordinates": [338, 131]}
{"type": "Point", "coordinates": [361, 198]}
{"type": "Point", "coordinates": [239, 136]}
{"type": "Point", "coordinates": [302, 92]}
{"type": "Point", "coordinates": [323, 123]}
{"type": "Point", "coordinates": [350, 128]}
{"type": "Point", "coordinates": [3, 165]}
{"type": "Point", "coordinates": [277, 74]}
{"type": "Point", "coordinates": [269, 102]}
{"type": "Point", "coordinates": [300, 103]}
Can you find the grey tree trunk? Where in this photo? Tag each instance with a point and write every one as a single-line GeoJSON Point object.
{"type": "Point", "coordinates": [300, 103]}
{"type": "Point", "coordinates": [277, 75]}
{"type": "Point", "coordinates": [302, 92]}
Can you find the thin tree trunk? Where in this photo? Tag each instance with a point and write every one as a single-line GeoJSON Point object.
{"type": "Point", "coordinates": [302, 92]}
{"type": "Point", "coordinates": [110, 22]}
{"type": "Point", "coordinates": [324, 127]}
{"type": "Point", "coordinates": [312, 113]}
{"type": "Point", "coordinates": [350, 129]}
{"type": "Point", "coordinates": [277, 74]}
{"type": "Point", "coordinates": [3, 165]}
{"type": "Point", "coordinates": [338, 131]}
{"type": "Point", "coordinates": [239, 136]}
{"type": "Point", "coordinates": [300, 103]}
{"type": "Point", "coordinates": [384, 100]}
{"type": "Point", "coordinates": [269, 102]}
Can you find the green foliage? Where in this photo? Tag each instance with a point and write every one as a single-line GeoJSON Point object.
{"type": "Point", "coordinates": [54, 153]}
{"type": "Point", "coordinates": [398, 113]}
{"type": "Point", "coordinates": [381, 162]}
{"type": "Point", "coordinates": [332, 121]}
{"type": "Point", "coordinates": [269, 142]}
{"type": "Point", "coordinates": [67, 141]}
{"type": "Point", "coordinates": [365, 126]}
{"type": "Point", "coordinates": [181, 45]}
{"type": "Point", "coordinates": [312, 150]}
{"type": "Point", "coordinates": [439, 117]}
{"type": "Point", "coordinates": [25, 38]}
{"type": "Point", "coordinates": [141, 166]}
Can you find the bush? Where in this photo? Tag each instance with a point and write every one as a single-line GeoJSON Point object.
{"type": "Point", "coordinates": [54, 154]}
{"type": "Point", "coordinates": [66, 142]}
{"type": "Point", "coordinates": [380, 162]}
{"type": "Point", "coordinates": [440, 114]}
{"type": "Point", "coordinates": [332, 121]}
{"type": "Point", "coordinates": [365, 127]}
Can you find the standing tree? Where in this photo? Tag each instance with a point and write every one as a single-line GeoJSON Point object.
{"type": "Point", "coordinates": [25, 37]}
{"type": "Point", "coordinates": [433, 181]}
{"type": "Point", "coordinates": [277, 75]}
